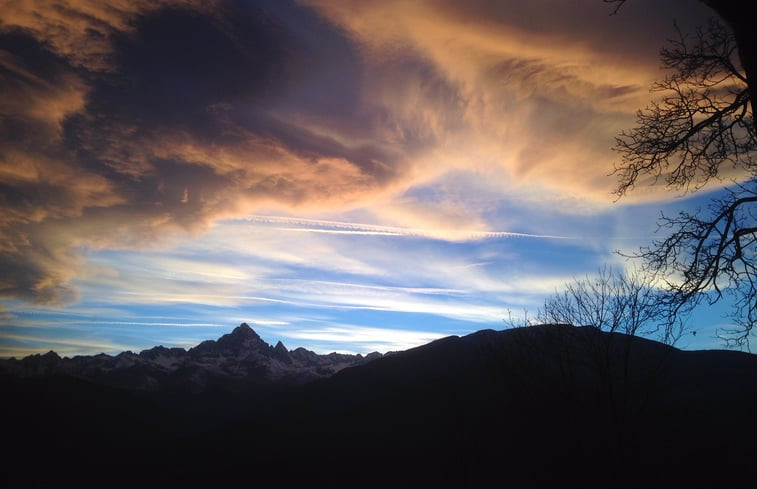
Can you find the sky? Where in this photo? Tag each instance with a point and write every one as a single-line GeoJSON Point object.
{"type": "Point", "coordinates": [342, 175]}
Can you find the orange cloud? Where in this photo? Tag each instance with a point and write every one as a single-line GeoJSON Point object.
{"type": "Point", "coordinates": [505, 87]}
{"type": "Point", "coordinates": [130, 122]}
{"type": "Point", "coordinates": [38, 98]}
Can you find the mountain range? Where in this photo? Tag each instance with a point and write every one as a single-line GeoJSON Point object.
{"type": "Point", "coordinates": [239, 360]}
{"type": "Point", "coordinates": [542, 406]}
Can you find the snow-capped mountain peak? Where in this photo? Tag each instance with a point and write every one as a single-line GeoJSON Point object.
{"type": "Point", "coordinates": [238, 360]}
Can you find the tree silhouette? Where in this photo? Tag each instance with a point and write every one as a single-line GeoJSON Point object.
{"type": "Point", "coordinates": [595, 351]}
{"type": "Point", "coordinates": [702, 126]}
{"type": "Point", "coordinates": [613, 302]}
{"type": "Point", "coordinates": [736, 15]}
{"type": "Point", "coordinates": [701, 132]}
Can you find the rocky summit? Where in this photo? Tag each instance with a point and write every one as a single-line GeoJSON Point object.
{"type": "Point", "coordinates": [239, 360]}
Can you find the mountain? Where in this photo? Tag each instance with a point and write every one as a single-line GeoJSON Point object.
{"type": "Point", "coordinates": [240, 360]}
{"type": "Point", "coordinates": [541, 406]}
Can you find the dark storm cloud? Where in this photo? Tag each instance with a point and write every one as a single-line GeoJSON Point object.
{"type": "Point", "coordinates": [35, 271]}
{"type": "Point", "coordinates": [123, 123]}
{"type": "Point", "coordinates": [215, 80]}
{"type": "Point", "coordinates": [177, 63]}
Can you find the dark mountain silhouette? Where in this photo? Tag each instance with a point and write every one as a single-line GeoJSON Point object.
{"type": "Point", "coordinates": [240, 361]}
{"type": "Point", "coordinates": [530, 407]}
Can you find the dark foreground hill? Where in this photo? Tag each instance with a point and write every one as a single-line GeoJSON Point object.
{"type": "Point", "coordinates": [548, 406]}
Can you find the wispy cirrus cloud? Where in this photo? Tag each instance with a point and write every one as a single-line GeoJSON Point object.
{"type": "Point", "coordinates": [296, 224]}
{"type": "Point", "coordinates": [20, 345]}
{"type": "Point", "coordinates": [362, 338]}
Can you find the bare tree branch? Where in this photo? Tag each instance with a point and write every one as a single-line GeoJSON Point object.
{"type": "Point", "coordinates": [702, 122]}
{"type": "Point", "coordinates": [614, 302]}
{"type": "Point", "coordinates": [618, 5]}
{"type": "Point", "coordinates": [711, 254]}
{"type": "Point", "coordinates": [701, 129]}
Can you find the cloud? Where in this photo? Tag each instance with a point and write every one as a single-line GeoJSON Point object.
{"type": "Point", "coordinates": [47, 100]}
{"type": "Point", "coordinates": [471, 281]}
{"type": "Point", "coordinates": [128, 122]}
{"type": "Point", "coordinates": [82, 30]}
{"type": "Point", "coordinates": [21, 345]}
{"type": "Point", "coordinates": [536, 90]}
{"type": "Point", "coordinates": [361, 338]}
{"type": "Point", "coordinates": [127, 125]}
{"type": "Point", "coordinates": [294, 224]}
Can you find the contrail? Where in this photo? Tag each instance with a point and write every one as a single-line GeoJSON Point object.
{"type": "Point", "coordinates": [298, 224]}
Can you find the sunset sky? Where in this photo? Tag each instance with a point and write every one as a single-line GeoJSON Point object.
{"type": "Point", "coordinates": [342, 175]}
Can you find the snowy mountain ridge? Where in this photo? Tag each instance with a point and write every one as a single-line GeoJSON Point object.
{"type": "Point", "coordinates": [238, 360]}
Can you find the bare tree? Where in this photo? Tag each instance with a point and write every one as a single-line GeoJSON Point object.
{"type": "Point", "coordinates": [620, 307]}
{"type": "Point", "coordinates": [701, 126]}
{"type": "Point", "coordinates": [613, 302]}
{"type": "Point", "coordinates": [711, 254]}
{"type": "Point", "coordinates": [738, 17]}
{"type": "Point", "coordinates": [701, 131]}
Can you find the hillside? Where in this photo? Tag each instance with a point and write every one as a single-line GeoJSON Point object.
{"type": "Point", "coordinates": [523, 407]}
